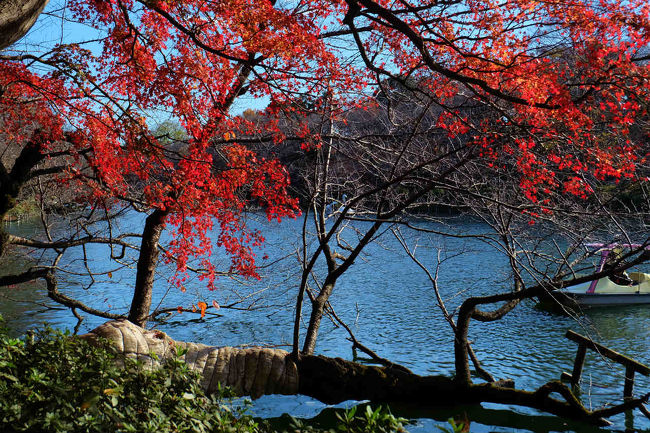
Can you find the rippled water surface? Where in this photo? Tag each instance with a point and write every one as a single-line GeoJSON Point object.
{"type": "Point", "coordinates": [390, 305]}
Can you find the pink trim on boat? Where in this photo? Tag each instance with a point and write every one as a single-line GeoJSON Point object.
{"type": "Point", "coordinates": [592, 287]}
{"type": "Point", "coordinates": [615, 245]}
{"type": "Point", "coordinates": [601, 265]}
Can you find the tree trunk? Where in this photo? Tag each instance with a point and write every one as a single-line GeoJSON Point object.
{"type": "Point", "coordinates": [16, 18]}
{"type": "Point", "coordinates": [258, 371]}
{"type": "Point", "coordinates": [334, 380]}
{"type": "Point", "coordinates": [317, 308]}
{"type": "Point", "coordinates": [12, 182]}
{"type": "Point", "coordinates": [146, 269]}
{"type": "Point", "coordinates": [461, 349]}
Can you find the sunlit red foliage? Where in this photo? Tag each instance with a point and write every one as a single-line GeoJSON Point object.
{"type": "Point", "coordinates": [191, 60]}
{"type": "Point", "coordinates": [188, 60]}
{"type": "Point", "coordinates": [570, 80]}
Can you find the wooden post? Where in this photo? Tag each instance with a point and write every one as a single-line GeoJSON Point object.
{"type": "Point", "coordinates": [629, 382]}
{"type": "Point", "coordinates": [577, 365]}
{"type": "Point", "coordinates": [608, 353]}
{"type": "Point", "coordinates": [631, 366]}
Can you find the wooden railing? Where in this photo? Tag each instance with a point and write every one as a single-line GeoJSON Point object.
{"type": "Point", "coordinates": [584, 343]}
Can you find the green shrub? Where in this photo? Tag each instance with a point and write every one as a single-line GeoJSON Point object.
{"type": "Point", "coordinates": [379, 420]}
{"type": "Point", "coordinates": [357, 419]}
{"type": "Point", "coordinates": [50, 382]}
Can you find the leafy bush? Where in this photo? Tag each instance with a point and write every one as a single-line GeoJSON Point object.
{"type": "Point", "coordinates": [50, 382]}
{"type": "Point", "coordinates": [379, 420]}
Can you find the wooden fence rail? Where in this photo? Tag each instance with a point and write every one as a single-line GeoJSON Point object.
{"type": "Point", "coordinates": [584, 343]}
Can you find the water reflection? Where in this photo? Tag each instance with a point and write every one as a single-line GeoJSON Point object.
{"type": "Point", "coordinates": [491, 418]}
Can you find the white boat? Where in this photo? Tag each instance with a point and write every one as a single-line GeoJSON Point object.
{"type": "Point", "coordinates": [620, 289]}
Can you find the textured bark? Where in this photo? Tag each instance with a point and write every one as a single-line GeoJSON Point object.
{"type": "Point", "coordinates": [12, 182]}
{"type": "Point", "coordinates": [146, 269]}
{"type": "Point", "coordinates": [254, 371]}
{"type": "Point", "coordinates": [259, 371]}
{"type": "Point", "coordinates": [317, 309]}
{"type": "Point", "coordinates": [16, 18]}
{"type": "Point", "coordinates": [336, 380]}
{"type": "Point", "coordinates": [461, 348]}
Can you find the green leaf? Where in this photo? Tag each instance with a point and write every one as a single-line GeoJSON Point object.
{"type": "Point", "coordinates": [9, 377]}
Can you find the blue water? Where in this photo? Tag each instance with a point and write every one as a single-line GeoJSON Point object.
{"type": "Point", "coordinates": [390, 305]}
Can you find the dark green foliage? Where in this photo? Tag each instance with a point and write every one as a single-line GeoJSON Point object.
{"type": "Point", "coordinates": [357, 419]}
{"type": "Point", "coordinates": [455, 427]}
{"type": "Point", "coordinates": [379, 420]}
{"type": "Point", "coordinates": [50, 382]}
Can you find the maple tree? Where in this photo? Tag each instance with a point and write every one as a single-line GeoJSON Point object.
{"type": "Point", "coordinates": [192, 61]}
{"type": "Point", "coordinates": [526, 111]}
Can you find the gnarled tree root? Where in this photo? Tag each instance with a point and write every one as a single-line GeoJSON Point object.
{"type": "Point", "coordinates": [259, 371]}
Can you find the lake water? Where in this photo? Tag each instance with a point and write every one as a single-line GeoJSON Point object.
{"type": "Point", "coordinates": [390, 305]}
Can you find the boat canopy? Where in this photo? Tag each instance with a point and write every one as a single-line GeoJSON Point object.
{"type": "Point", "coordinates": [613, 246]}
{"type": "Point", "coordinates": [605, 249]}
